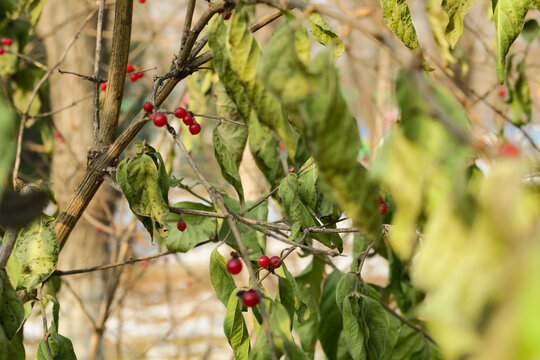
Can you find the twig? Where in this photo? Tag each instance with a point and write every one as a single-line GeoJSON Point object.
{"type": "Point", "coordinates": [97, 66]}
{"type": "Point", "coordinates": [221, 118]}
{"type": "Point", "coordinates": [28, 59]}
{"type": "Point", "coordinates": [74, 103]}
{"type": "Point", "coordinates": [42, 81]}
{"type": "Point", "coordinates": [260, 201]}
{"type": "Point", "coordinates": [408, 323]}
{"type": "Point", "coordinates": [187, 22]}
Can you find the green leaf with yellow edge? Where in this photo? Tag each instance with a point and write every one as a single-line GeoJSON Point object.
{"type": "Point", "coordinates": [323, 33]}
{"type": "Point", "coordinates": [244, 52]}
{"type": "Point", "coordinates": [330, 131]}
{"type": "Point", "coordinates": [438, 20]}
{"type": "Point", "coordinates": [509, 17]}
{"type": "Point", "coordinates": [263, 143]}
{"type": "Point", "coordinates": [397, 16]}
{"type": "Point", "coordinates": [35, 254]}
{"type": "Point", "coordinates": [456, 10]}
{"type": "Point", "coordinates": [139, 180]}
{"type": "Point", "coordinates": [235, 327]}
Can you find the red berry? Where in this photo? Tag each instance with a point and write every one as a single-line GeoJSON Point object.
{"type": "Point", "coordinates": [188, 119]}
{"type": "Point", "coordinates": [133, 77]}
{"type": "Point", "coordinates": [180, 112]}
{"type": "Point", "coordinates": [291, 168]}
{"type": "Point", "coordinates": [140, 75]}
{"type": "Point", "coordinates": [181, 225]}
{"type": "Point", "coordinates": [275, 262]}
{"type": "Point", "coordinates": [142, 1]}
{"type": "Point", "coordinates": [159, 119]}
{"type": "Point", "coordinates": [194, 128]}
{"type": "Point", "coordinates": [250, 298]}
{"type": "Point", "coordinates": [227, 16]}
{"type": "Point", "coordinates": [2, 51]}
{"type": "Point", "coordinates": [509, 150]}
{"type": "Point", "coordinates": [221, 11]}
{"type": "Point", "coordinates": [502, 93]}
{"type": "Point", "coordinates": [58, 136]}
{"type": "Point", "coordinates": [383, 208]}
{"type": "Point", "coordinates": [281, 146]}
{"type": "Point", "coordinates": [148, 106]}
{"type": "Point", "coordinates": [103, 86]}
{"type": "Point", "coordinates": [185, 99]}
{"type": "Point", "coordinates": [234, 266]}
{"type": "Point", "coordinates": [144, 263]}
{"type": "Point", "coordinates": [381, 201]}
{"type": "Point", "coordinates": [7, 41]}
{"type": "Point", "coordinates": [264, 261]}
{"type": "Point", "coordinates": [98, 229]}
{"type": "Point", "coordinates": [129, 68]}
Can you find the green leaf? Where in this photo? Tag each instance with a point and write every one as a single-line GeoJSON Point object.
{"type": "Point", "coordinates": [397, 16]}
{"type": "Point", "coordinates": [509, 17]}
{"type": "Point", "coordinates": [198, 229]}
{"type": "Point", "coordinates": [263, 143]}
{"type": "Point", "coordinates": [323, 33]}
{"type": "Point", "coordinates": [224, 156]}
{"type": "Point", "coordinates": [519, 96]}
{"type": "Point", "coordinates": [300, 301]}
{"type": "Point", "coordinates": [7, 142]}
{"type": "Point", "coordinates": [286, 295]}
{"type": "Point", "coordinates": [330, 131]}
{"type": "Point", "coordinates": [438, 20]}
{"type": "Point", "coordinates": [330, 324]}
{"type": "Point", "coordinates": [456, 10]}
{"type": "Point", "coordinates": [7, 350]}
{"type": "Point", "coordinates": [354, 338]}
{"type": "Point", "coordinates": [221, 279]}
{"type": "Point", "coordinates": [531, 30]}
{"type": "Point", "coordinates": [11, 308]}
{"type": "Point", "coordinates": [244, 54]}
{"type": "Point", "coordinates": [235, 327]}
{"type": "Point", "coordinates": [61, 348]}
{"type": "Point", "coordinates": [138, 177]}
{"type": "Point", "coordinates": [35, 254]}
{"type": "Point", "coordinates": [254, 240]}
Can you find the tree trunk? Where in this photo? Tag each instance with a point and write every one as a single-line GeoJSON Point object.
{"type": "Point", "coordinates": [87, 245]}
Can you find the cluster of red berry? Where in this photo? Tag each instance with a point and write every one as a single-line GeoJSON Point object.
{"type": "Point", "coordinates": [133, 77]}
{"type": "Point", "coordinates": [5, 42]}
{"type": "Point", "coordinates": [188, 119]}
{"type": "Point", "coordinates": [234, 266]}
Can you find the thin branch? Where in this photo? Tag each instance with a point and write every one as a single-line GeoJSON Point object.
{"type": "Point", "coordinates": [239, 123]}
{"type": "Point", "coordinates": [260, 201]}
{"type": "Point", "coordinates": [28, 59]}
{"type": "Point", "coordinates": [187, 22]}
{"type": "Point", "coordinates": [97, 66]}
{"type": "Point", "coordinates": [74, 103]}
{"type": "Point", "coordinates": [42, 81]}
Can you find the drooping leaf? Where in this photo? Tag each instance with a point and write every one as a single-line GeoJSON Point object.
{"type": "Point", "coordinates": [221, 279]}
{"type": "Point", "coordinates": [35, 254]}
{"type": "Point", "coordinates": [224, 157]}
{"type": "Point", "coordinates": [354, 338]}
{"type": "Point", "coordinates": [323, 33]}
{"type": "Point", "coordinates": [244, 54]}
{"type": "Point", "coordinates": [456, 10]}
{"type": "Point", "coordinates": [140, 182]}
{"type": "Point", "coordinates": [61, 348]}
{"type": "Point", "coordinates": [235, 327]}
{"type": "Point", "coordinates": [519, 95]}
{"type": "Point", "coordinates": [333, 136]}
{"type": "Point", "coordinates": [263, 143]}
{"type": "Point", "coordinates": [397, 16]}
{"type": "Point", "coordinates": [438, 19]}
{"type": "Point", "coordinates": [509, 17]}
{"type": "Point", "coordinates": [198, 229]}
{"type": "Point", "coordinates": [11, 307]}
{"type": "Point", "coordinates": [330, 324]}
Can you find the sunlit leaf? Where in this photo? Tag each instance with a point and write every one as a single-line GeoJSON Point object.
{"type": "Point", "coordinates": [397, 16]}
{"type": "Point", "coordinates": [235, 327]}
{"type": "Point", "coordinates": [456, 10]}
{"type": "Point", "coordinates": [198, 229]}
{"type": "Point", "coordinates": [221, 279]}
